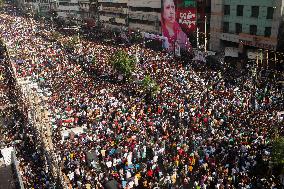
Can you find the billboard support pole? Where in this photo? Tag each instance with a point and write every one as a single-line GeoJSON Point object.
{"type": "Point", "coordinates": [205, 37]}
{"type": "Point", "coordinates": [257, 59]}
{"type": "Point", "coordinates": [261, 57]}
{"type": "Point", "coordinates": [267, 66]}
{"type": "Point", "coordinates": [174, 49]}
{"type": "Point", "coordinates": [197, 37]}
{"type": "Point", "coordinates": [275, 60]}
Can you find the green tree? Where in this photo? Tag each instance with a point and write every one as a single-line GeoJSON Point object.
{"type": "Point", "coordinates": [150, 86]}
{"type": "Point", "coordinates": [75, 39]}
{"type": "Point", "coordinates": [55, 36]}
{"type": "Point", "coordinates": [94, 60]}
{"type": "Point", "coordinates": [71, 43]}
{"type": "Point", "coordinates": [123, 63]}
{"type": "Point", "coordinates": [278, 152]}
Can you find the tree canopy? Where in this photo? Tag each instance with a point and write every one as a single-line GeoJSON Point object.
{"type": "Point", "coordinates": [150, 86]}
{"type": "Point", "coordinates": [55, 35]}
{"type": "Point", "coordinates": [94, 60]}
{"type": "Point", "coordinates": [72, 42]}
{"type": "Point", "coordinates": [123, 63]}
{"type": "Point", "coordinates": [278, 151]}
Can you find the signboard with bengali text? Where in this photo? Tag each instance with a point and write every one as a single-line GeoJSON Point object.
{"type": "Point", "coordinates": [178, 22]}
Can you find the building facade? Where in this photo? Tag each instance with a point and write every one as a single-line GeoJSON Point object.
{"type": "Point", "coordinates": [40, 7]}
{"type": "Point", "coordinates": [144, 15]}
{"type": "Point", "coordinates": [84, 9]}
{"type": "Point", "coordinates": [113, 13]}
{"type": "Point", "coordinates": [252, 24]}
{"type": "Point", "coordinates": [68, 9]}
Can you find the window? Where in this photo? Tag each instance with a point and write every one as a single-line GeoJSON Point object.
{"type": "Point", "coordinates": [254, 11]}
{"type": "Point", "coordinates": [240, 10]}
{"type": "Point", "coordinates": [226, 9]}
{"type": "Point", "coordinates": [226, 27]}
{"type": "Point", "coordinates": [270, 11]}
{"type": "Point", "coordinates": [267, 31]}
{"type": "Point", "coordinates": [64, 3]}
{"type": "Point", "coordinates": [253, 29]}
{"type": "Point", "coordinates": [239, 28]}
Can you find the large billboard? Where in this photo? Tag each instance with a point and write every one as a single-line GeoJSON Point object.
{"type": "Point", "coordinates": [178, 22]}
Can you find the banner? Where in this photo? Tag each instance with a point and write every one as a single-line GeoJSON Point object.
{"type": "Point", "coordinates": [252, 55]}
{"type": "Point", "coordinates": [187, 19]}
{"type": "Point", "coordinates": [232, 52]}
{"type": "Point", "coordinates": [178, 22]}
{"type": "Point", "coordinates": [199, 56]}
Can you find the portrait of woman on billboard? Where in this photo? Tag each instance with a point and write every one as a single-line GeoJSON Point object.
{"type": "Point", "coordinates": [171, 28]}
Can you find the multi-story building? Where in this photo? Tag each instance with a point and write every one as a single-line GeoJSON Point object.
{"type": "Point", "coordinates": [252, 24]}
{"type": "Point", "coordinates": [41, 7]}
{"type": "Point", "coordinates": [84, 9]}
{"type": "Point", "coordinates": [68, 9]}
{"type": "Point", "coordinates": [113, 13]}
{"type": "Point", "coordinates": [144, 15]}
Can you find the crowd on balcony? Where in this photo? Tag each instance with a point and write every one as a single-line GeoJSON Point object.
{"type": "Point", "coordinates": [202, 130]}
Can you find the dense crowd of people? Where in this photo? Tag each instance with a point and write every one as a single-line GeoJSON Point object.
{"type": "Point", "coordinates": [15, 132]}
{"type": "Point", "coordinates": [202, 130]}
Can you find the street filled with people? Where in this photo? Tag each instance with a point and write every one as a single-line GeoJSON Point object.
{"type": "Point", "coordinates": [202, 130]}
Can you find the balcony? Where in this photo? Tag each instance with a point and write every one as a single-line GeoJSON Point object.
{"type": "Point", "coordinates": [120, 20]}
{"type": "Point", "coordinates": [116, 1]}
{"type": "Point", "coordinates": [114, 10]}
{"type": "Point", "coordinates": [105, 18]}
{"type": "Point", "coordinates": [139, 15]}
{"type": "Point", "coordinates": [84, 9]}
{"type": "Point", "coordinates": [84, 1]}
{"type": "Point", "coordinates": [68, 8]}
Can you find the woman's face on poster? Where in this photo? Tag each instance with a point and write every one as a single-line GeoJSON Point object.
{"type": "Point", "coordinates": [169, 13]}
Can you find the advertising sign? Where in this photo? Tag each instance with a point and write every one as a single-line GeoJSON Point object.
{"type": "Point", "coordinates": [178, 22]}
{"type": "Point", "coordinates": [232, 52]}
